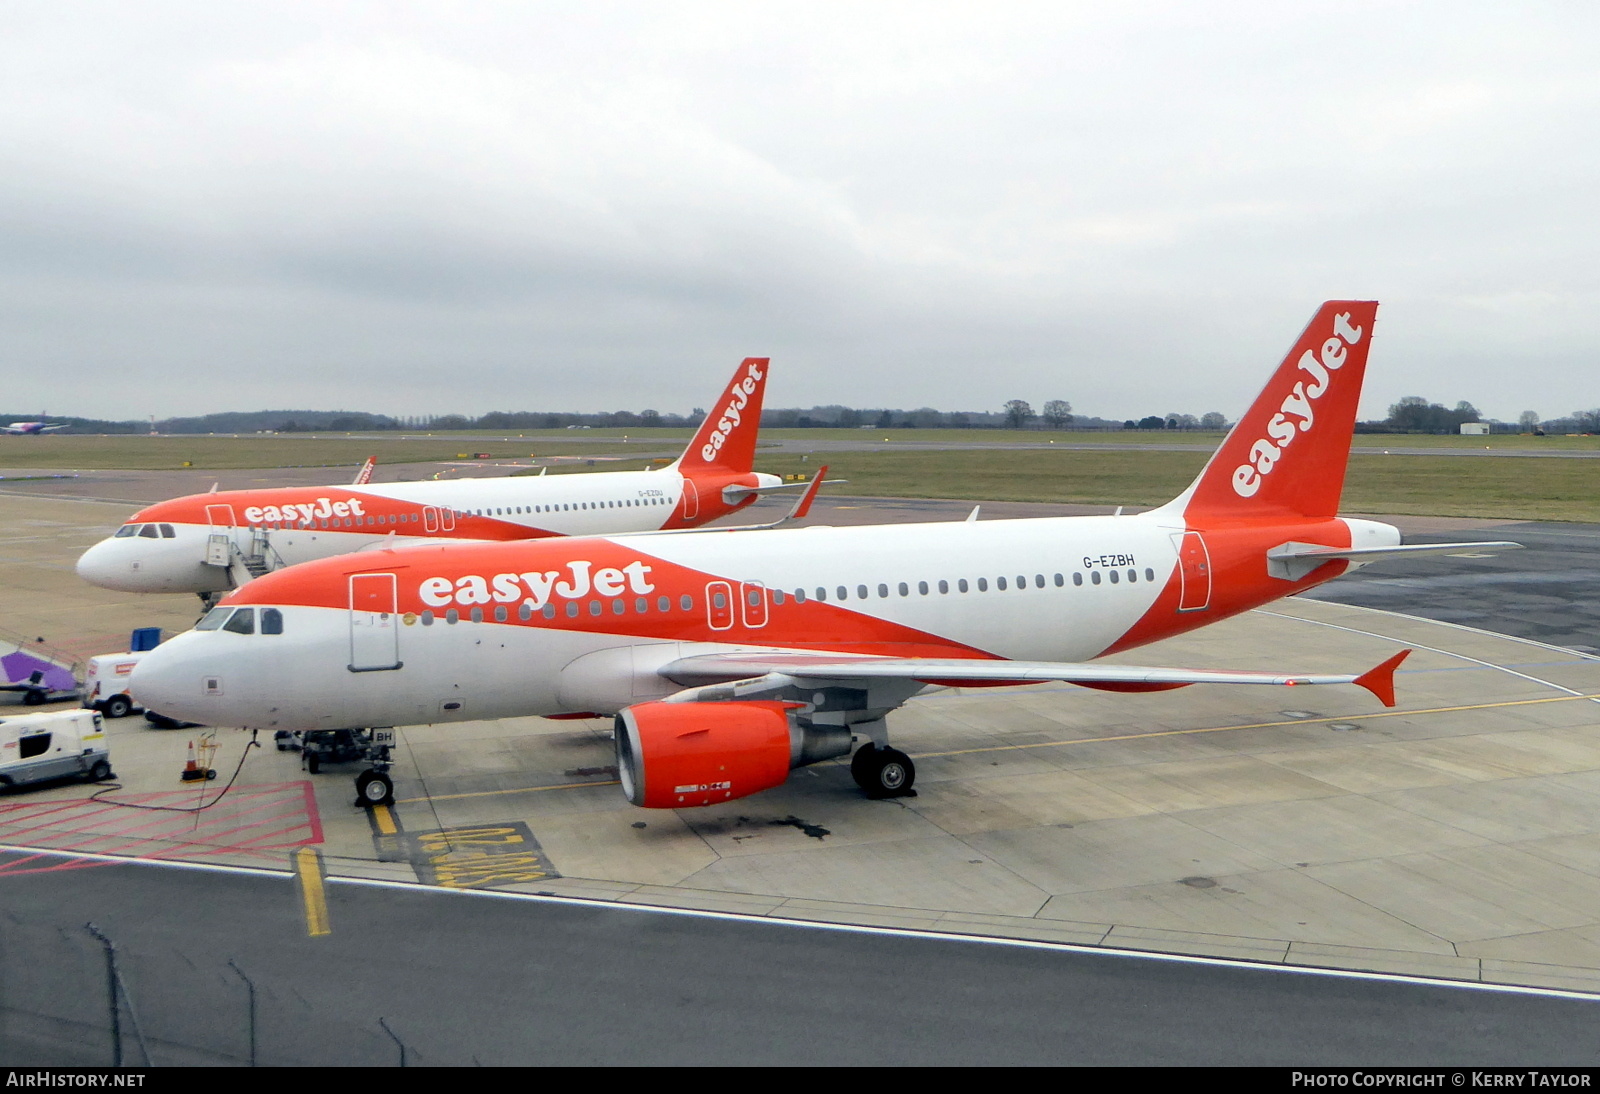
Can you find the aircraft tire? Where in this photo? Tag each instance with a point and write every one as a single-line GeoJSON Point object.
{"type": "Point", "coordinates": [374, 788]}
{"type": "Point", "coordinates": [861, 765]}
{"type": "Point", "coordinates": [883, 772]}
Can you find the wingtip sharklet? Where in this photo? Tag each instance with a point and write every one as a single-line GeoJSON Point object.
{"type": "Point", "coordinates": [1380, 678]}
{"type": "Point", "coordinates": [803, 506]}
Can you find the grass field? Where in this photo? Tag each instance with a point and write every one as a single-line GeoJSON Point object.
{"type": "Point", "coordinates": [1510, 488]}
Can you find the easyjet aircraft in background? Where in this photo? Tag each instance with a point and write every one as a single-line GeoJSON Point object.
{"type": "Point", "coordinates": [210, 543]}
{"type": "Point", "coordinates": [730, 657]}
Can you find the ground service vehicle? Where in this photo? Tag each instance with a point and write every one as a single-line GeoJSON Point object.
{"type": "Point", "coordinates": [39, 747]}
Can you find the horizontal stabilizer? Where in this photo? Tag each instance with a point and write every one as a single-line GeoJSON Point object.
{"type": "Point", "coordinates": [1292, 561]}
{"type": "Point", "coordinates": [731, 494]}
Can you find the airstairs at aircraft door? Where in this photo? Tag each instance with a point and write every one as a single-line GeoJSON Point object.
{"type": "Point", "coordinates": [258, 559]}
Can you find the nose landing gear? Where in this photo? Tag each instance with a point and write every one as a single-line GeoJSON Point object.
{"type": "Point", "coordinates": [374, 787]}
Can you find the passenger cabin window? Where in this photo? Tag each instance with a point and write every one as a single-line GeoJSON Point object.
{"type": "Point", "coordinates": [271, 621]}
{"type": "Point", "coordinates": [242, 621]}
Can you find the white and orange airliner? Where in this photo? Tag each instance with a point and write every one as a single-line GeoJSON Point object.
{"type": "Point", "coordinates": [728, 658]}
{"type": "Point", "coordinates": [210, 543]}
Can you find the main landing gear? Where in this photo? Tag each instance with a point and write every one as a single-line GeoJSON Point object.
{"type": "Point", "coordinates": [883, 772]}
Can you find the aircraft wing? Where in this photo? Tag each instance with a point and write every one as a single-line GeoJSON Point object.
{"type": "Point", "coordinates": [959, 672]}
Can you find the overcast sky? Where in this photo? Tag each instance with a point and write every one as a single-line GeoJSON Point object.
{"type": "Point", "coordinates": [457, 208]}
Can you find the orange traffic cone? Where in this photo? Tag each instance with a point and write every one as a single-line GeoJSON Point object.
{"type": "Point", "coordinates": [191, 770]}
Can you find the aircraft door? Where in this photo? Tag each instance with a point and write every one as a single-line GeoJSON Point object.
{"type": "Point", "coordinates": [437, 519]}
{"type": "Point", "coordinates": [753, 603]}
{"type": "Point", "coordinates": [1194, 572]}
{"type": "Point", "coordinates": [219, 540]}
{"type": "Point", "coordinates": [374, 625]}
{"type": "Point", "coordinates": [719, 605]}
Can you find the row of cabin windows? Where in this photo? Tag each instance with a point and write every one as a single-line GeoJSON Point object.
{"type": "Point", "coordinates": [407, 518]}
{"type": "Point", "coordinates": [564, 507]}
{"type": "Point", "coordinates": [341, 522]}
{"type": "Point", "coordinates": [573, 609]}
{"type": "Point", "coordinates": [961, 585]}
{"type": "Point", "coordinates": [241, 621]}
{"type": "Point", "coordinates": [642, 605]}
{"type": "Point", "coordinates": [148, 531]}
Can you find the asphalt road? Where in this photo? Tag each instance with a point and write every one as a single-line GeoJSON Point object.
{"type": "Point", "coordinates": [462, 979]}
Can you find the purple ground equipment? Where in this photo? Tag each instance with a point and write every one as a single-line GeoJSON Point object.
{"type": "Point", "coordinates": [36, 670]}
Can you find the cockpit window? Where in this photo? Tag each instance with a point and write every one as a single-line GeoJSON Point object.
{"type": "Point", "coordinates": [148, 531]}
{"type": "Point", "coordinates": [168, 532]}
{"type": "Point", "coordinates": [127, 530]}
{"type": "Point", "coordinates": [215, 618]}
{"type": "Point", "coordinates": [271, 621]}
{"type": "Point", "coordinates": [243, 622]}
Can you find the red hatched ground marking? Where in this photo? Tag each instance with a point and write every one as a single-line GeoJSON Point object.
{"type": "Point", "coordinates": [257, 821]}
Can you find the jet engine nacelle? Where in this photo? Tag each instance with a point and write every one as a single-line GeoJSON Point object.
{"type": "Point", "coordinates": [676, 755]}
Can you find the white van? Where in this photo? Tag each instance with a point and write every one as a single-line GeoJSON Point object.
{"type": "Point", "coordinates": [105, 684]}
{"type": "Point", "coordinates": [53, 746]}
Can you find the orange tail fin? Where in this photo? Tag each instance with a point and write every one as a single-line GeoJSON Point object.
{"type": "Point", "coordinates": [726, 440]}
{"type": "Point", "coordinates": [1286, 458]}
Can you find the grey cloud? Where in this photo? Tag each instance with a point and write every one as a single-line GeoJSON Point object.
{"type": "Point", "coordinates": [415, 210]}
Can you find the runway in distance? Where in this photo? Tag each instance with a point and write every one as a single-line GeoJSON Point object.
{"type": "Point", "coordinates": [210, 543]}
{"type": "Point", "coordinates": [729, 658]}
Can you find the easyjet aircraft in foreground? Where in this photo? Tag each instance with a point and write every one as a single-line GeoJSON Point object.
{"type": "Point", "coordinates": [730, 657]}
{"type": "Point", "coordinates": [210, 543]}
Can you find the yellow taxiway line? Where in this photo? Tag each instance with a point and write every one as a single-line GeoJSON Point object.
{"type": "Point", "coordinates": [308, 869]}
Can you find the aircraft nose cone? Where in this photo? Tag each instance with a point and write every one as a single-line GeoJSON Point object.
{"type": "Point", "coordinates": [100, 565]}
{"type": "Point", "coordinates": [163, 682]}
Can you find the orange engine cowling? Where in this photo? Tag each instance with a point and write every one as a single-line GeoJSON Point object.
{"type": "Point", "coordinates": [674, 755]}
